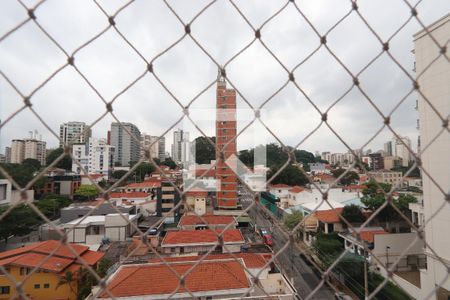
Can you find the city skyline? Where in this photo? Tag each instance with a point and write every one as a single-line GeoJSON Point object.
{"type": "Point", "coordinates": [246, 72]}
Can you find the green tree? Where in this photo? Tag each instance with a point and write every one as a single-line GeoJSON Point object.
{"type": "Point", "coordinates": [87, 191]}
{"type": "Point", "coordinates": [118, 174]}
{"type": "Point", "coordinates": [352, 213]}
{"type": "Point", "coordinates": [19, 221]}
{"type": "Point", "coordinates": [290, 175]}
{"type": "Point", "coordinates": [51, 205]}
{"type": "Point", "coordinates": [349, 178]}
{"type": "Point", "coordinates": [327, 247]}
{"type": "Point", "coordinates": [103, 266]}
{"type": "Point", "coordinates": [31, 164]}
{"type": "Point", "coordinates": [291, 220]}
{"type": "Point", "coordinates": [144, 169]}
{"type": "Point", "coordinates": [64, 163]}
{"type": "Point", "coordinates": [22, 173]}
{"type": "Point", "coordinates": [204, 151]}
{"type": "Point", "coordinates": [170, 163]}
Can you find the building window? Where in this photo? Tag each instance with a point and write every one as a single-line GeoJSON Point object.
{"type": "Point", "coordinates": [46, 285]}
{"type": "Point", "coordinates": [4, 290]}
{"type": "Point", "coordinates": [24, 271]}
{"type": "Point", "coordinates": [37, 286]}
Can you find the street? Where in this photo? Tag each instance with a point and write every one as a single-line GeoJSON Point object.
{"type": "Point", "coordinates": [289, 261]}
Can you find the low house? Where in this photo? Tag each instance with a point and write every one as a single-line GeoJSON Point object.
{"type": "Point", "coordinates": [280, 190]}
{"type": "Point", "coordinates": [92, 230]}
{"type": "Point", "coordinates": [325, 221]}
{"type": "Point", "coordinates": [367, 237]}
{"type": "Point", "coordinates": [195, 241]}
{"type": "Point", "coordinates": [192, 222]}
{"type": "Point", "coordinates": [145, 202]}
{"type": "Point", "coordinates": [196, 201]}
{"type": "Point", "coordinates": [220, 278]}
{"type": "Point", "coordinates": [8, 195]}
{"type": "Point", "coordinates": [294, 194]}
{"type": "Point", "coordinates": [148, 186]}
{"type": "Point", "coordinates": [52, 261]}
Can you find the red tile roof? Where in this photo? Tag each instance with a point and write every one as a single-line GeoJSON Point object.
{"type": "Point", "coordinates": [195, 237]}
{"type": "Point", "coordinates": [296, 189]}
{"type": "Point", "coordinates": [355, 187]}
{"type": "Point", "coordinates": [369, 235]}
{"type": "Point", "coordinates": [129, 195]}
{"type": "Point", "coordinates": [209, 219]}
{"type": "Point", "coordinates": [158, 279]}
{"type": "Point", "coordinates": [197, 193]}
{"type": "Point", "coordinates": [204, 173]}
{"type": "Point", "coordinates": [280, 186]}
{"type": "Point", "coordinates": [61, 260]}
{"type": "Point", "coordinates": [150, 183]}
{"type": "Point", "coordinates": [251, 260]}
{"type": "Point", "coordinates": [227, 203]}
{"type": "Point", "coordinates": [329, 216]}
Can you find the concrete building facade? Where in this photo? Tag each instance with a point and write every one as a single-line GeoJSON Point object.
{"type": "Point", "coordinates": [434, 85]}
{"type": "Point", "coordinates": [127, 146]}
{"type": "Point", "coordinates": [73, 133]}
{"type": "Point", "coordinates": [95, 157]}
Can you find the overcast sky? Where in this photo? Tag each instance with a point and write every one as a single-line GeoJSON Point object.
{"type": "Point", "coordinates": [28, 57]}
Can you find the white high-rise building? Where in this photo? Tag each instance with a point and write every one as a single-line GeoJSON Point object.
{"type": "Point", "coordinates": [95, 157]}
{"type": "Point", "coordinates": [401, 146]}
{"type": "Point", "coordinates": [73, 133]}
{"type": "Point", "coordinates": [17, 151]}
{"type": "Point", "coordinates": [434, 83]}
{"type": "Point", "coordinates": [181, 146]}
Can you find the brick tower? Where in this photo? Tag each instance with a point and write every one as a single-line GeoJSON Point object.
{"type": "Point", "coordinates": [225, 131]}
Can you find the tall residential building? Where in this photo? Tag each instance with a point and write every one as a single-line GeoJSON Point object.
{"type": "Point", "coordinates": [388, 148]}
{"type": "Point", "coordinates": [73, 133]}
{"type": "Point", "coordinates": [95, 157]}
{"type": "Point", "coordinates": [401, 149]}
{"type": "Point", "coordinates": [127, 146]}
{"type": "Point", "coordinates": [17, 151]}
{"type": "Point", "coordinates": [180, 146]}
{"type": "Point", "coordinates": [7, 155]}
{"type": "Point", "coordinates": [22, 149]}
{"type": "Point", "coordinates": [225, 145]}
{"type": "Point", "coordinates": [150, 143]}
{"type": "Point", "coordinates": [434, 84]}
{"type": "Point", "coordinates": [162, 148]}
{"type": "Point", "coordinates": [2, 158]}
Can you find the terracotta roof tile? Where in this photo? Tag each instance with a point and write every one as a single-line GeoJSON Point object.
{"type": "Point", "coordinates": [296, 189]}
{"type": "Point", "coordinates": [207, 236]}
{"type": "Point", "coordinates": [150, 183]}
{"type": "Point", "coordinates": [369, 235]}
{"type": "Point", "coordinates": [209, 219]}
{"type": "Point", "coordinates": [251, 260]}
{"type": "Point", "coordinates": [92, 257]}
{"type": "Point", "coordinates": [329, 216]}
{"type": "Point", "coordinates": [129, 195]}
{"type": "Point", "coordinates": [158, 279]}
{"type": "Point", "coordinates": [197, 193]}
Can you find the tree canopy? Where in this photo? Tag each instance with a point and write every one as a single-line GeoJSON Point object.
{"type": "Point", "coordinates": [352, 213]}
{"type": "Point", "coordinates": [204, 151]}
{"type": "Point", "coordinates": [290, 175]}
{"type": "Point", "coordinates": [64, 163]}
{"type": "Point", "coordinates": [291, 220]}
{"type": "Point", "coordinates": [87, 191]}
{"type": "Point", "coordinates": [349, 178]}
{"type": "Point", "coordinates": [24, 172]}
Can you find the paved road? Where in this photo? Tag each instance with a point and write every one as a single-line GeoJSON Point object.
{"type": "Point", "coordinates": [291, 263]}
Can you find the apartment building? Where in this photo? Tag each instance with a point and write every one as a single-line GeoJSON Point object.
{"type": "Point", "coordinates": [149, 143]}
{"type": "Point", "coordinates": [125, 138]}
{"type": "Point", "coordinates": [95, 157]}
{"type": "Point", "coordinates": [167, 199]}
{"type": "Point", "coordinates": [384, 176]}
{"type": "Point", "coordinates": [73, 133]}
{"type": "Point", "coordinates": [434, 85]}
{"type": "Point", "coordinates": [22, 149]}
{"type": "Point", "coordinates": [181, 147]}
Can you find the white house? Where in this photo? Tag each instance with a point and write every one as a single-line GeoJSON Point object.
{"type": "Point", "coordinates": [93, 229]}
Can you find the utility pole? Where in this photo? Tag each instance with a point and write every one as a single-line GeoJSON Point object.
{"type": "Point", "coordinates": [366, 286]}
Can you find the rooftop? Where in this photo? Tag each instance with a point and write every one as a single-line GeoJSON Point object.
{"type": "Point", "coordinates": [195, 237]}
{"type": "Point", "coordinates": [97, 219]}
{"type": "Point", "coordinates": [129, 195]}
{"type": "Point", "coordinates": [61, 260]}
{"type": "Point", "coordinates": [251, 260]}
{"type": "Point", "coordinates": [159, 279]}
{"type": "Point", "coordinates": [329, 216]}
{"type": "Point", "coordinates": [209, 219]}
{"type": "Point", "coordinates": [296, 189]}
